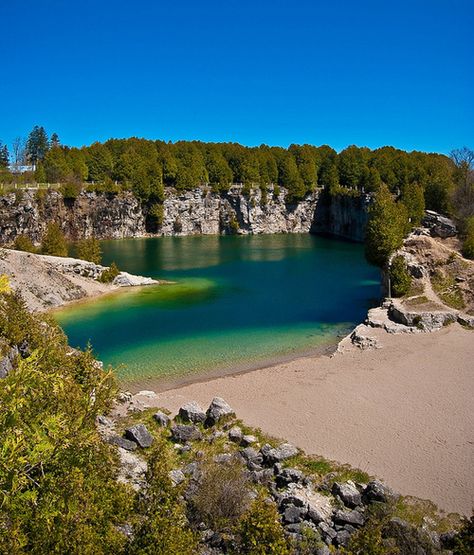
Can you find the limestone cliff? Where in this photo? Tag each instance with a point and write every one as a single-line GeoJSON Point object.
{"type": "Point", "coordinates": [199, 211]}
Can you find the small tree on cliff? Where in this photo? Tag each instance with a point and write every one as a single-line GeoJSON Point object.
{"type": "Point", "coordinates": [386, 227]}
{"type": "Point", "coordinates": [54, 242]}
{"type": "Point", "coordinates": [89, 249]}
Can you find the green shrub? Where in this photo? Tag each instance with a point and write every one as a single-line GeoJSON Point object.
{"type": "Point", "coordinates": [70, 190]}
{"type": "Point", "coordinates": [89, 249]}
{"type": "Point", "coordinates": [400, 278]}
{"type": "Point", "coordinates": [58, 488]}
{"type": "Point", "coordinates": [157, 214]}
{"type": "Point", "coordinates": [261, 532]}
{"type": "Point", "coordinates": [163, 528]}
{"type": "Point", "coordinates": [24, 243]}
{"type": "Point", "coordinates": [54, 242]}
{"type": "Point", "coordinates": [222, 496]}
{"type": "Point", "coordinates": [468, 243]}
{"type": "Point", "coordinates": [109, 274]}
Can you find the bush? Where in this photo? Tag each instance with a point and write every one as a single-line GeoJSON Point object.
{"type": "Point", "coordinates": [24, 243]}
{"type": "Point", "coordinates": [400, 278]}
{"type": "Point", "coordinates": [157, 214]}
{"type": "Point", "coordinates": [109, 274]}
{"type": "Point", "coordinates": [163, 529]}
{"type": "Point", "coordinates": [58, 488]}
{"type": "Point", "coordinates": [261, 532]}
{"type": "Point", "coordinates": [89, 249]}
{"type": "Point", "coordinates": [468, 243]}
{"type": "Point", "coordinates": [4, 284]}
{"type": "Point", "coordinates": [70, 190]}
{"type": "Point", "coordinates": [54, 242]}
{"type": "Point", "coordinates": [222, 496]}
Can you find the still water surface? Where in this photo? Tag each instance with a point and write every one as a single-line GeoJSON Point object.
{"type": "Point", "coordinates": [236, 301]}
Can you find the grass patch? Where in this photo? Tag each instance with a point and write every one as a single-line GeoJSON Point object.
{"type": "Point", "coordinates": [416, 288]}
{"type": "Point", "coordinates": [447, 290]}
{"type": "Point", "coordinates": [422, 512]}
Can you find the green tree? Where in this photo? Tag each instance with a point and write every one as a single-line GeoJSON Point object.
{"type": "Point", "coordinates": [40, 174]}
{"type": "Point", "coordinates": [414, 200]}
{"type": "Point", "coordinates": [468, 242]}
{"type": "Point", "coordinates": [89, 249]}
{"type": "Point", "coordinates": [56, 166]}
{"type": "Point", "coordinates": [58, 488]}
{"type": "Point", "coordinates": [54, 242]}
{"type": "Point", "coordinates": [109, 274]}
{"type": "Point", "coordinates": [24, 243]}
{"type": "Point", "coordinates": [261, 532]}
{"type": "Point", "coordinates": [352, 166]}
{"type": "Point", "coordinates": [400, 278]}
{"type": "Point", "coordinates": [386, 227]}
{"type": "Point", "coordinates": [55, 142]}
{"type": "Point", "coordinates": [163, 528]}
{"type": "Point", "coordinates": [4, 156]}
{"type": "Point", "coordinates": [372, 180]}
{"type": "Point", "coordinates": [37, 144]}
{"type": "Point", "coordinates": [99, 162]}
{"type": "Point", "coordinates": [289, 177]}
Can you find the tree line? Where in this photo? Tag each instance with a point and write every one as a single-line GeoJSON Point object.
{"type": "Point", "coordinates": [404, 183]}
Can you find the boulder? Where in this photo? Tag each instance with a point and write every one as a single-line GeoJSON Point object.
{"type": "Point", "coordinates": [278, 454]}
{"type": "Point", "coordinates": [355, 518]}
{"type": "Point", "coordinates": [182, 433]}
{"type": "Point", "coordinates": [348, 493]}
{"type": "Point", "coordinates": [161, 419]}
{"type": "Point", "coordinates": [342, 538]}
{"type": "Point", "coordinates": [218, 409]}
{"type": "Point", "coordinates": [235, 434]}
{"type": "Point", "coordinates": [364, 342]}
{"type": "Point", "coordinates": [177, 476]}
{"type": "Point", "coordinates": [248, 440]}
{"type": "Point", "coordinates": [192, 412]}
{"type": "Point", "coordinates": [293, 514]}
{"type": "Point", "coordinates": [140, 435]}
{"type": "Point", "coordinates": [123, 443]}
{"type": "Point", "coordinates": [376, 491]}
{"type": "Point", "coordinates": [287, 476]}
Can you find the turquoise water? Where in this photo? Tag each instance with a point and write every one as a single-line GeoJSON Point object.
{"type": "Point", "coordinates": [236, 301]}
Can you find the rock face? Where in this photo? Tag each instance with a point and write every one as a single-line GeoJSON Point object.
{"type": "Point", "coordinates": [200, 211]}
{"type": "Point", "coordinates": [342, 216]}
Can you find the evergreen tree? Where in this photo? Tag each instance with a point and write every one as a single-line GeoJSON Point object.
{"type": "Point", "coordinates": [89, 249]}
{"type": "Point", "coordinates": [37, 145]}
{"type": "Point", "coordinates": [414, 200]}
{"type": "Point", "coordinates": [4, 156]}
{"type": "Point", "coordinates": [55, 142]}
{"type": "Point", "coordinates": [54, 242]}
{"type": "Point", "coordinates": [386, 227]}
{"type": "Point", "coordinates": [55, 165]}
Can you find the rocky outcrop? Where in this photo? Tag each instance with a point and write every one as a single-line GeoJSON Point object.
{"type": "Point", "coordinates": [342, 215]}
{"type": "Point", "coordinates": [200, 211]}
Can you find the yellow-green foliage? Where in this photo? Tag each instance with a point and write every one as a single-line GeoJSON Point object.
{"type": "Point", "coordinates": [54, 242]}
{"type": "Point", "coordinates": [4, 284]}
{"type": "Point", "coordinates": [89, 249]}
{"type": "Point", "coordinates": [108, 275]}
{"type": "Point", "coordinates": [261, 532]}
{"type": "Point", "coordinates": [58, 492]}
{"type": "Point", "coordinates": [24, 243]}
{"type": "Point", "coordinates": [447, 290]}
{"type": "Point", "coordinates": [163, 528]}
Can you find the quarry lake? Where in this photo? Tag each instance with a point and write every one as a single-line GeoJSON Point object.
{"type": "Point", "coordinates": [236, 302]}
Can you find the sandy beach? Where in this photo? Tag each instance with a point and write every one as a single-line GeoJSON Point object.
{"type": "Point", "coordinates": [403, 413]}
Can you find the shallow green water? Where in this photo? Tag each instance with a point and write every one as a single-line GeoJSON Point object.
{"type": "Point", "coordinates": [237, 301]}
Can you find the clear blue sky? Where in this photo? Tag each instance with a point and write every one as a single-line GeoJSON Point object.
{"type": "Point", "coordinates": [278, 72]}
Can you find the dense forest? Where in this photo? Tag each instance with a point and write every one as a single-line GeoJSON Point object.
{"type": "Point", "coordinates": [405, 183]}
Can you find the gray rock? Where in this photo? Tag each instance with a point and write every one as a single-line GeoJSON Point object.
{"type": "Point", "coordinates": [328, 534]}
{"type": "Point", "coordinates": [161, 419]}
{"type": "Point", "coordinates": [364, 342]}
{"type": "Point", "coordinates": [248, 440]}
{"type": "Point", "coordinates": [177, 476]}
{"type": "Point", "coordinates": [348, 493]}
{"type": "Point", "coordinates": [6, 366]}
{"type": "Point", "coordinates": [263, 476]}
{"type": "Point", "coordinates": [218, 409]}
{"type": "Point", "coordinates": [278, 454]}
{"type": "Point", "coordinates": [293, 528]}
{"type": "Point", "coordinates": [293, 514]}
{"type": "Point", "coordinates": [251, 454]}
{"type": "Point", "coordinates": [316, 515]}
{"type": "Point", "coordinates": [287, 476]}
{"type": "Point", "coordinates": [376, 491]}
{"type": "Point", "coordinates": [349, 517]}
{"type": "Point", "coordinates": [235, 434]}
{"type": "Point", "coordinates": [322, 551]}
{"type": "Point", "coordinates": [140, 434]}
{"type": "Point", "coordinates": [123, 443]}
{"type": "Point", "coordinates": [192, 412]}
{"type": "Point", "coordinates": [342, 538]}
{"type": "Point", "coordinates": [185, 432]}
{"type": "Point", "coordinates": [223, 458]}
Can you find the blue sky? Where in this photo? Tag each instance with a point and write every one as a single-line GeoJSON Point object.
{"type": "Point", "coordinates": [278, 72]}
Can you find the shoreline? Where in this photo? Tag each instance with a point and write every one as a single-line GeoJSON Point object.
{"type": "Point", "coordinates": [393, 412]}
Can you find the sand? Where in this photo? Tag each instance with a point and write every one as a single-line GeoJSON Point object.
{"type": "Point", "coordinates": [403, 413]}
